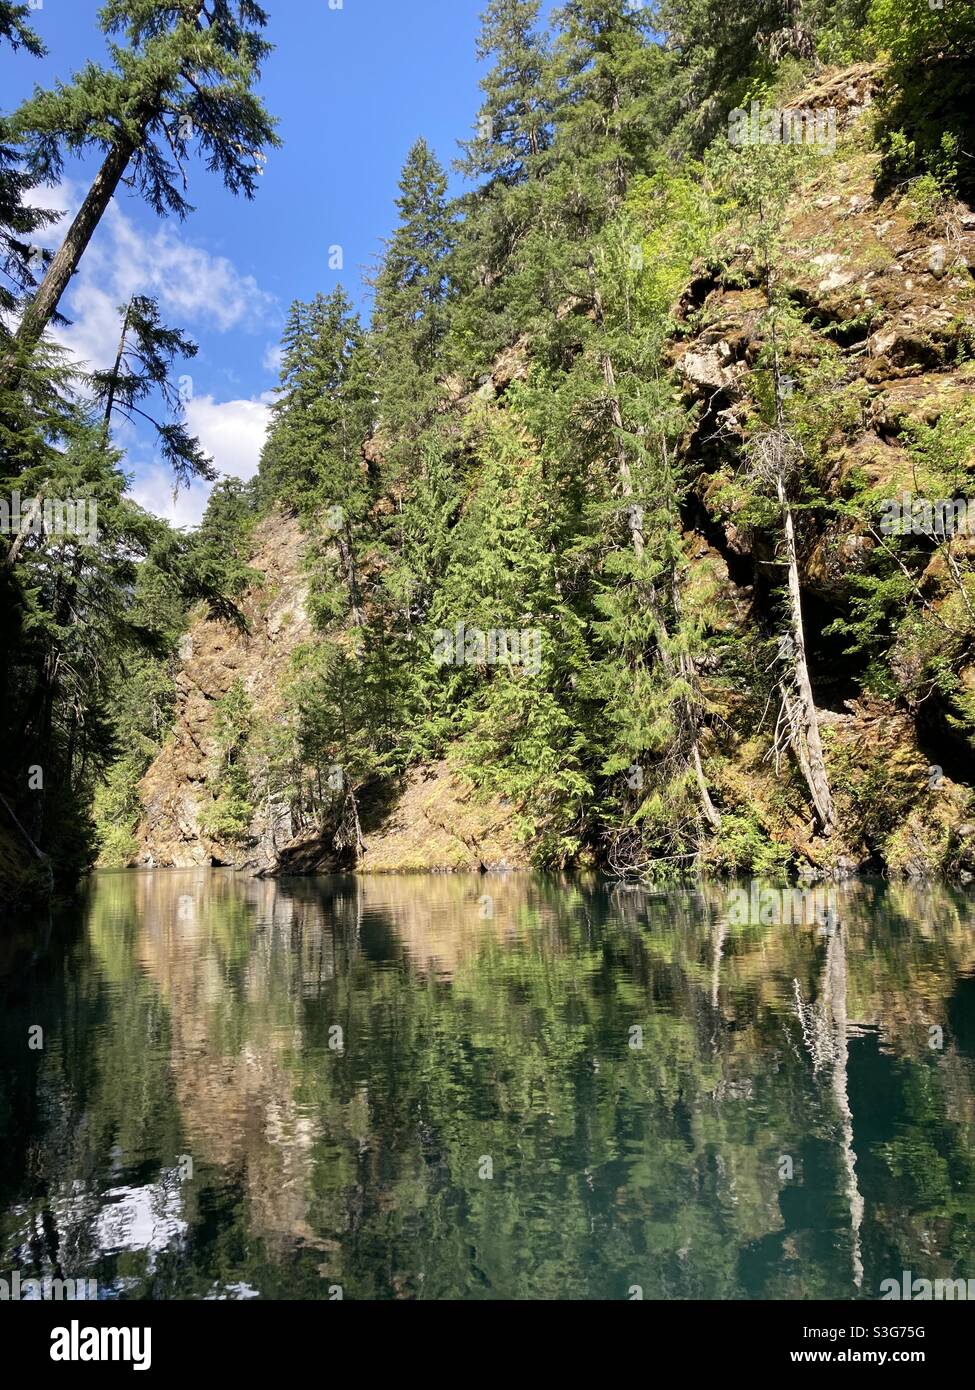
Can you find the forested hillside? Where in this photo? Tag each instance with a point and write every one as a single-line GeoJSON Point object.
{"type": "Point", "coordinates": [632, 524]}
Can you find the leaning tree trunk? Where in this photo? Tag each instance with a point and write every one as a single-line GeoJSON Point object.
{"type": "Point", "coordinates": [43, 306]}
{"type": "Point", "coordinates": [777, 453]}
{"type": "Point", "coordinates": [809, 745]}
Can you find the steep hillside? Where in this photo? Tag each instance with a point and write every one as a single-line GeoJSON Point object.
{"type": "Point", "coordinates": [882, 295]}
{"type": "Point", "coordinates": [217, 654]}
{"type": "Point", "coordinates": [431, 822]}
{"type": "Point", "coordinates": [871, 342]}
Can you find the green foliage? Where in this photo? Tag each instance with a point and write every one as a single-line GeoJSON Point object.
{"type": "Point", "coordinates": [117, 809]}
{"type": "Point", "coordinates": [925, 113]}
{"type": "Point", "coordinates": [412, 303]}
{"type": "Point", "coordinates": [92, 614]}
{"type": "Point", "coordinates": [143, 364]}
{"type": "Point", "coordinates": [742, 846]}
{"type": "Point", "coordinates": [504, 449]}
{"type": "Point", "coordinates": [227, 818]}
{"type": "Point", "coordinates": [180, 78]}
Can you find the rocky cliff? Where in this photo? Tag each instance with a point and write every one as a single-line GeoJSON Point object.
{"type": "Point", "coordinates": [216, 653]}
{"type": "Point", "coordinates": [432, 822]}
{"type": "Point", "coordinates": [882, 291]}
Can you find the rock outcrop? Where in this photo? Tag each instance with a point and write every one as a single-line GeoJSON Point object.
{"type": "Point", "coordinates": [886, 290]}
{"type": "Point", "coordinates": [215, 654]}
{"type": "Point", "coordinates": [433, 822]}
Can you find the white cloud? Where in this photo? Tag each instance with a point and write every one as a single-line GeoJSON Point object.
{"type": "Point", "coordinates": [189, 281]}
{"type": "Point", "coordinates": [93, 334]}
{"type": "Point", "coordinates": [153, 490]}
{"type": "Point", "coordinates": [231, 432]}
{"type": "Point", "coordinates": [195, 289]}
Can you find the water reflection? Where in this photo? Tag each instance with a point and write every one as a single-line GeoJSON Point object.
{"type": "Point", "coordinates": [446, 1087]}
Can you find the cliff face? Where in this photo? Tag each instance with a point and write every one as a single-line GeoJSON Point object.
{"type": "Point", "coordinates": [432, 823]}
{"type": "Point", "coordinates": [886, 295]}
{"type": "Point", "coordinates": [884, 291]}
{"type": "Point", "coordinates": [216, 654]}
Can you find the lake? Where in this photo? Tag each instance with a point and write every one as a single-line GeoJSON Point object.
{"type": "Point", "coordinates": [511, 1087]}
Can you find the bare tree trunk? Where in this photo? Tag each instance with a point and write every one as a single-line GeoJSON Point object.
{"type": "Point", "coordinates": [806, 738]}
{"type": "Point", "coordinates": [834, 995]}
{"type": "Point", "coordinates": [116, 372]}
{"type": "Point", "coordinates": [810, 753]}
{"type": "Point", "coordinates": [17, 544]}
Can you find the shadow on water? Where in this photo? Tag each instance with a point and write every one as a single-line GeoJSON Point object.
{"type": "Point", "coordinates": [488, 1087]}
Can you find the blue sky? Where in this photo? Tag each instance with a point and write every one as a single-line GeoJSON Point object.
{"type": "Point", "coordinates": [353, 85]}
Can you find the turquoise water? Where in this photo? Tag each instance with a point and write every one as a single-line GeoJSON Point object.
{"type": "Point", "coordinates": [504, 1087]}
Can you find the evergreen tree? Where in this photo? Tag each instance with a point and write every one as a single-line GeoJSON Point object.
{"type": "Point", "coordinates": [761, 177]}
{"type": "Point", "coordinates": [19, 258]}
{"type": "Point", "coordinates": [313, 455]}
{"type": "Point", "coordinates": [605, 125]}
{"type": "Point", "coordinates": [15, 29]}
{"type": "Point", "coordinates": [412, 299]}
{"type": "Point", "coordinates": [182, 79]}
{"type": "Point", "coordinates": [510, 154]}
{"type": "Point", "coordinates": [607, 112]}
{"type": "Point", "coordinates": [515, 119]}
{"type": "Point", "coordinates": [143, 366]}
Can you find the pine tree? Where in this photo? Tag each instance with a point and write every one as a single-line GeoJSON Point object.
{"type": "Point", "coordinates": [15, 29]}
{"type": "Point", "coordinates": [515, 119]}
{"type": "Point", "coordinates": [181, 80]}
{"type": "Point", "coordinates": [607, 113]}
{"type": "Point", "coordinates": [142, 367]}
{"type": "Point", "coordinates": [605, 75]}
{"type": "Point", "coordinates": [313, 455]}
{"type": "Point", "coordinates": [19, 258]}
{"type": "Point", "coordinates": [509, 155]}
{"type": "Point", "coordinates": [412, 298]}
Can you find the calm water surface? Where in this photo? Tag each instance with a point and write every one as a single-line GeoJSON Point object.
{"type": "Point", "coordinates": [424, 1087]}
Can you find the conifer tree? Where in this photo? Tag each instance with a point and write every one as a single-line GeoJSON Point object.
{"type": "Point", "coordinates": [411, 321]}
{"type": "Point", "coordinates": [510, 155]}
{"type": "Point", "coordinates": [606, 108]}
{"type": "Point", "coordinates": [19, 257]}
{"type": "Point", "coordinates": [605, 130]}
{"type": "Point", "coordinates": [515, 119]}
{"type": "Point", "coordinates": [142, 366]}
{"type": "Point", "coordinates": [412, 297]}
{"type": "Point", "coordinates": [313, 455]}
{"type": "Point", "coordinates": [15, 29]}
{"type": "Point", "coordinates": [181, 80]}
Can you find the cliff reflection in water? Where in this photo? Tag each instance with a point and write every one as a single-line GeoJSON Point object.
{"type": "Point", "coordinates": [452, 1087]}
